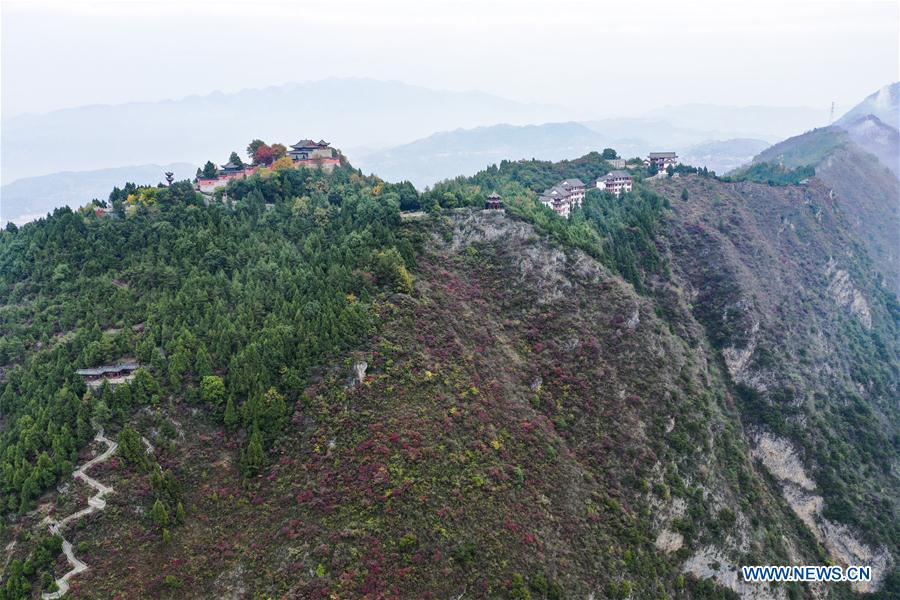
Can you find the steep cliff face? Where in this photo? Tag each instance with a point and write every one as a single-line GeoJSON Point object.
{"type": "Point", "coordinates": [809, 336]}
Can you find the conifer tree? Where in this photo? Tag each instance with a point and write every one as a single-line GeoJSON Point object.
{"type": "Point", "coordinates": [253, 455]}
{"type": "Point", "coordinates": [159, 514]}
{"type": "Point", "coordinates": [231, 415]}
{"type": "Point", "coordinates": [202, 362]}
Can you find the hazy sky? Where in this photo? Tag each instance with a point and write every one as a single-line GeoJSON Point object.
{"type": "Point", "coordinates": [600, 58]}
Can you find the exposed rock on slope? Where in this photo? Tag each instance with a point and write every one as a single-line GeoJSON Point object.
{"type": "Point", "coordinates": [810, 337]}
{"type": "Point", "coordinates": [781, 460]}
{"type": "Point", "coordinates": [841, 288]}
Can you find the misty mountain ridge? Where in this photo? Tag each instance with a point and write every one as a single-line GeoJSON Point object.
{"type": "Point", "coordinates": [33, 197]}
{"type": "Point", "coordinates": [882, 140]}
{"type": "Point", "coordinates": [770, 123]}
{"type": "Point", "coordinates": [348, 112]}
{"type": "Point", "coordinates": [447, 154]}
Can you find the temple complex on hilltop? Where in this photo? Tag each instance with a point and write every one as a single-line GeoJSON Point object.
{"type": "Point", "coordinates": [305, 153]}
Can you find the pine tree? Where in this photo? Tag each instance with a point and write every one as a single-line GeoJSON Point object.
{"type": "Point", "coordinates": [100, 412]}
{"type": "Point", "coordinates": [132, 449]}
{"type": "Point", "coordinates": [178, 366]}
{"type": "Point", "coordinates": [202, 362]}
{"type": "Point", "coordinates": [253, 455]}
{"type": "Point", "coordinates": [231, 415]}
{"type": "Point", "coordinates": [159, 514]}
{"type": "Point", "coordinates": [209, 170]}
{"type": "Point", "coordinates": [276, 411]}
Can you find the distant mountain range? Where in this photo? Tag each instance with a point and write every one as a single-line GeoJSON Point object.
{"type": "Point", "coordinates": [354, 114]}
{"type": "Point", "coordinates": [448, 154]}
{"type": "Point", "coordinates": [723, 156]}
{"type": "Point", "coordinates": [346, 112]}
{"type": "Point", "coordinates": [33, 197]}
{"type": "Point", "coordinates": [387, 128]}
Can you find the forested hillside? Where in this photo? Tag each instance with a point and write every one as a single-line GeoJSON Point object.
{"type": "Point", "coordinates": [249, 297]}
{"type": "Point", "coordinates": [341, 400]}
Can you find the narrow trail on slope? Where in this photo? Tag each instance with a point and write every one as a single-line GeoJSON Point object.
{"type": "Point", "coordinates": [95, 503]}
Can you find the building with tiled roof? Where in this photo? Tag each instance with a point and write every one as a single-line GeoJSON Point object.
{"type": "Point", "coordinates": [308, 150]}
{"type": "Point", "coordinates": [661, 160]}
{"type": "Point", "coordinates": [309, 153]}
{"type": "Point", "coordinates": [564, 196]}
{"type": "Point", "coordinates": [616, 182]}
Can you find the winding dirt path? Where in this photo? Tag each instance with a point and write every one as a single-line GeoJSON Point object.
{"type": "Point", "coordinates": [95, 503]}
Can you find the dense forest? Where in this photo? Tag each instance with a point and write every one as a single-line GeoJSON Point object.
{"type": "Point", "coordinates": [253, 292]}
{"type": "Point", "coordinates": [228, 305]}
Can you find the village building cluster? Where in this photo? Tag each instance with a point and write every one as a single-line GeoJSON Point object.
{"type": "Point", "coordinates": [305, 153]}
{"type": "Point", "coordinates": [564, 196]}
{"type": "Point", "coordinates": [569, 193]}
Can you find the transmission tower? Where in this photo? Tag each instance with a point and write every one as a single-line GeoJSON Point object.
{"type": "Point", "coordinates": [831, 119]}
